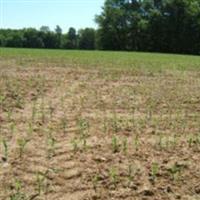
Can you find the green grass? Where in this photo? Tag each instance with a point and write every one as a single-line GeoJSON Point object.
{"type": "Point", "coordinates": [98, 59]}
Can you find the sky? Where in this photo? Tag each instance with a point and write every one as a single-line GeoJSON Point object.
{"type": "Point", "coordinates": [18, 14]}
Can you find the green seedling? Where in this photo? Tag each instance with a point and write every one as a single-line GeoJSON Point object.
{"type": "Point", "coordinates": [30, 129]}
{"type": "Point", "coordinates": [83, 130]}
{"type": "Point", "coordinates": [40, 180]}
{"type": "Point", "coordinates": [43, 113]}
{"type": "Point", "coordinates": [175, 140]}
{"type": "Point", "coordinates": [64, 124]}
{"type": "Point", "coordinates": [2, 99]}
{"type": "Point", "coordinates": [18, 194]}
{"type": "Point", "coordinates": [12, 128]}
{"type": "Point", "coordinates": [22, 144]}
{"type": "Point", "coordinates": [113, 176]}
{"type": "Point", "coordinates": [51, 145]}
{"type": "Point", "coordinates": [83, 126]}
{"type": "Point", "coordinates": [130, 173]}
{"type": "Point", "coordinates": [9, 114]}
{"type": "Point", "coordinates": [75, 145]}
{"type": "Point", "coordinates": [5, 150]}
{"type": "Point", "coordinates": [154, 170]}
{"type": "Point", "coordinates": [193, 140]}
{"type": "Point", "coordinates": [175, 171]}
{"type": "Point", "coordinates": [19, 102]}
{"type": "Point", "coordinates": [114, 123]}
{"type": "Point", "coordinates": [95, 181]}
{"type": "Point", "coordinates": [136, 142]}
{"type": "Point", "coordinates": [105, 127]}
{"type": "Point", "coordinates": [125, 145]}
{"type": "Point", "coordinates": [115, 145]}
{"type": "Point", "coordinates": [84, 143]}
{"type": "Point", "coordinates": [34, 111]}
{"type": "Point", "coordinates": [51, 110]}
{"type": "Point", "coordinates": [160, 141]}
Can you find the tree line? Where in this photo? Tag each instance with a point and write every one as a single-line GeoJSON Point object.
{"type": "Point", "coordinates": [45, 38]}
{"type": "Point", "coordinates": [150, 25]}
{"type": "Point", "coordinates": [171, 26]}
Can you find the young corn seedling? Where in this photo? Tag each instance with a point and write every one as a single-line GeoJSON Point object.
{"type": "Point", "coordinates": [51, 110]}
{"type": "Point", "coordinates": [160, 141]}
{"type": "Point", "coordinates": [62, 103]}
{"type": "Point", "coordinates": [43, 113]}
{"type": "Point", "coordinates": [34, 111]}
{"type": "Point", "coordinates": [2, 99]}
{"type": "Point", "coordinates": [175, 140]}
{"type": "Point", "coordinates": [83, 127]}
{"type": "Point", "coordinates": [75, 145]}
{"type": "Point", "coordinates": [130, 173]}
{"type": "Point", "coordinates": [175, 171]}
{"type": "Point", "coordinates": [5, 150]}
{"type": "Point", "coordinates": [105, 126]}
{"type": "Point", "coordinates": [125, 145]}
{"type": "Point", "coordinates": [64, 124]}
{"type": "Point", "coordinates": [19, 102]}
{"type": "Point", "coordinates": [12, 128]}
{"type": "Point", "coordinates": [51, 145]}
{"type": "Point", "coordinates": [84, 143]}
{"type": "Point", "coordinates": [40, 181]}
{"type": "Point", "coordinates": [83, 131]}
{"type": "Point", "coordinates": [22, 144]}
{"type": "Point", "coordinates": [30, 130]}
{"type": "Point", "coordinates": [133, 109]}
{"type": "Point", "coordinates": [154, 170]}
{"type": "Point", "coordinates": [136, 142]}
{"type": "Point", "coordinates": [113, 176]}
{"type": "Point", "coordinates": [115, 144]}
{"type": "Point", "coordinates": [114, 123]}
{"type": "Point", "coordinates": [9, 114]}
{"type": "Point", "coordinates": [193, 140]}
{"type": "Point", "coordinates": [18, 194]}
{"type": "Point", "coordinates": [95, 181]}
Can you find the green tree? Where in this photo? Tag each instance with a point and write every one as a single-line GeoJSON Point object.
{"type": "Point", "coordinates": [32, 39]}
{"type": "Point", "coordinates": [58, 30]}
{"type": "Point", "coordinates": [45, 29]}
{"type": "Point", "coordinates": [71, 42]}
{"type": "Point", "coordinates": [86, 38]}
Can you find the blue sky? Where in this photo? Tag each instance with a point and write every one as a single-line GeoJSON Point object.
{"type": "Point", "coordinates": [35, 13]}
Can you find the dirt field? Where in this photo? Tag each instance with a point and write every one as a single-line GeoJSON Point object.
{"type": "Point", "coordinates": [98, 133]}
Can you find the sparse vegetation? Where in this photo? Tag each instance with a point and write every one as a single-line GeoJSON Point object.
{"type": "Point", "coordinates": [98, 125]}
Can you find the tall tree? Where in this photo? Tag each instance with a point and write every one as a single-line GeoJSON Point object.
{"type": "Point", "coordinates": [58, 30]}
{"type": "Point", "coordinates": [45, 29]}
{"type": "Point", "coordinates": [86, 38]}
{"type": "Point", "coordinates": [72, 38]}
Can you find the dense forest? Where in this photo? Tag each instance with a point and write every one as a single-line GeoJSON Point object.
{"type": "Point", "coordinates": [132, 25]}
